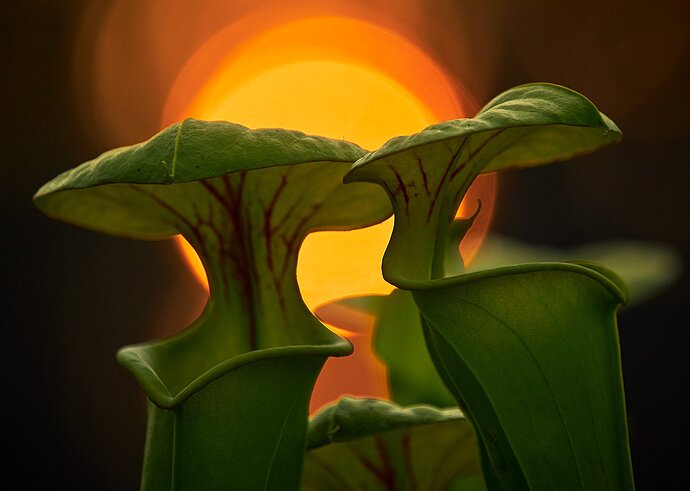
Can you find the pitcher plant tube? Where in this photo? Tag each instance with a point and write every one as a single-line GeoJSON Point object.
{"type": "Point", "coordinates": [530, 352]}
{"type": "Point", "coordinates": [228, 395]}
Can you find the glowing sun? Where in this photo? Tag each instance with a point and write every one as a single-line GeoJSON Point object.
{"type": "Point", "coordinates": [337, 77]}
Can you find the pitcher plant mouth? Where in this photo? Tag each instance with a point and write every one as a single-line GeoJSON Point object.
{"type": "Point", "coordinates": [138, 360]}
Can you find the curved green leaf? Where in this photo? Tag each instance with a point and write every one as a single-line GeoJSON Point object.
{"type": "Point", "coordinates": [531, 354]}
{"type": "Point", "coordinates": [375, 445]}
{"type": "Point", "coordinates": [427, 174]}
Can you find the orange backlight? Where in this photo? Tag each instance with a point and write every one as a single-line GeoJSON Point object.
{"type": "Point", "coordinates": [337, 77]}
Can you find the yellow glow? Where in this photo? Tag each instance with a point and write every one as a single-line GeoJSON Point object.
{"type": "Point", "coordinates": [255, 46]}
{"type": "Point", "coordinates": [328, 98]}
{"type": "Point", "coordinates": [342, 78]}
{"type": "Point", "coordinates": [340, 94]}
{"type": "Point", "coordinates": [340, 101]}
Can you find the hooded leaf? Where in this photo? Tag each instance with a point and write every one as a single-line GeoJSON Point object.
{"type": "Point", "coordinates": [427, 174]}
{"type": "Point", "coordinates": [245, 200]}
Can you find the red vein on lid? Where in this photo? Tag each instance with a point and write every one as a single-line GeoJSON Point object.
{"type": "Point", "coordinates": [243, 263]}
{"type": "Point", "coordinates": [385, 460]}
{"type": "Point", "coordinates": [425, 178]}
{"type": "Point", "coordinates": [403, 189]}
{"type": "Point", "coordinates": [407, 453]}
{"type": "Point", "coordinates": [368, 464]}
{"type": "Point", "coordinates": [443, 178]}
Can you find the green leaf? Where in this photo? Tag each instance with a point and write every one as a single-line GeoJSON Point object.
{"type": "Point", "coordinates": [646, 267]}
{"type": "Point", "coordinates": [375, 445]}
{"type": "Point", "coordinates": [397, 339]}
{"type": "Point", "coordinates": [427, 174]}
{"type": "Point", "coordinates": [531, 354]}
{"type": "Point", "coordinates": [240, 377]}
{"type": "Point", "coordinates": [399, 343]}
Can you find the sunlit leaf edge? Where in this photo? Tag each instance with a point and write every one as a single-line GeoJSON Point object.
{"type": "Point", "coordinates": [607, 278]}
{"type": "Point", "coordinates": [260, 148]}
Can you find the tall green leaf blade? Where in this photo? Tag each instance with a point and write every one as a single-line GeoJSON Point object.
{"type": "Point", "coordinates": [376, 445]}
{"type": "Point", "coordinates": [531, 354]}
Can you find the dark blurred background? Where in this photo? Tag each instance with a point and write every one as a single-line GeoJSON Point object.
{"type": "Point", "coordinates": [75, 419]}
